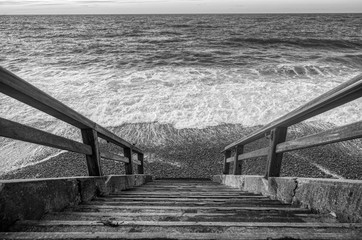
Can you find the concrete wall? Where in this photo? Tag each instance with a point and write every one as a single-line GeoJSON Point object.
{"type": "Point", "coordinates": [31, 199]}
{"type": "Point", "coordinates": [340, 197]}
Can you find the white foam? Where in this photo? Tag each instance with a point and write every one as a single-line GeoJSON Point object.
{"type": "Point", "coordinates": [187, 97]}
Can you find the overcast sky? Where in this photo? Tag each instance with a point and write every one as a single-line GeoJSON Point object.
{"type": "Point", "coordinates": [177, 6]}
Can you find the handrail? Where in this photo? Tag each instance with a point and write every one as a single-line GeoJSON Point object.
{"type": "Point", "coordinates": [19, 89]}
{"type": "Point", "coordinates": [277, 129]}
{"type": "Point", "coordinates": [331, 99]}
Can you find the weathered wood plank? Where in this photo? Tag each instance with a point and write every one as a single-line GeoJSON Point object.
{"type": "Point", "coordinates": [347, 132]}
{"type": "Point", "coordinates": [274, 160]}
{"type": "Point", "coordinates": [256, 235]}
{"type": "Point", "coordinates": [90, 137]}
{"type": "Point", "coordinates": [241, 214]}
{"type": "Point", "coordinates": [173, 195]}
{"type": "Point", "coordinates": [206, 224]}
{"type": "Point", "coordinates": [137, 162]}
{"type": "Point", "coordinates": [181, 199]}
{"type": "Point", "coordinates": [183, 193]}
{"type": "Point", "coordinates": [134, 214]}
{"type": "Point", "coordinates": [185, 188]}
{"type": "Point", "coordinates": [114, 157]}
{"type": "Point", "coordinates": [237, 163]}
{"type": "Point", "coordinates": [231, 203]}
{"type": "Point", "coordinates": [17, 88]}
{"type": "Point", "coordinates": [195, 191]}
{"type": "Point", "coordinates": [141, 159]}
{"type": "Point", "coordinates": [188, 208]}
{"type": "Point", "coordinates": [226, 168]}
{"type": "Point", "coordinates": [128, 166]}
{"type": "Point", "coordinates": [257, 153]}
{"type": "Point", "coordinates": [340, 95]}
{"type": "Point", "coordinates": [21, 132]}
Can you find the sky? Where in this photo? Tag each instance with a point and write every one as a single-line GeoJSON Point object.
{"type": "Point", "coordinates": [177, 6]}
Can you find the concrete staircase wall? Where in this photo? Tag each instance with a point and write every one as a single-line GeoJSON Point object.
{"type": "Point", "coordinates": [342, 198]}
{"type": "Point", "coordinates": [31, 199]}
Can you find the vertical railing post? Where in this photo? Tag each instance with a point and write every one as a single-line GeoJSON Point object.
{"type": "Point", "coordinates": [128, 166]}
{"type": "Point", "coordinates": [140, 167]}
{"type": "Point", "coordinates": [227, 154]}
{"type": "Point", "coordinates": [90, 137]}
{"type": "Point", "coordinates": [274, 160]}
{"type": "Point", "coordinates": [238, 164]}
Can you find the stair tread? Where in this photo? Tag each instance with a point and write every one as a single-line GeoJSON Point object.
{"type": "Point", "coordinates": [161, 235]}
{"type": "Point", "coordinates": [179, 223]}
{"type": "Point", "coordinates": [217, 208]}
{"type": "Point", "coordinates": [183, 216]}
{"type": "Point", "coordinates": [184, 210]}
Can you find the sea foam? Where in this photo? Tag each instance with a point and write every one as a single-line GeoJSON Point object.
{"type": "Point", "coordinates": [189, 72]}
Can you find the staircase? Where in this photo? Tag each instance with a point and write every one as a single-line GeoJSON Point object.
{"type": "Point", "coordinates": [184, 209]}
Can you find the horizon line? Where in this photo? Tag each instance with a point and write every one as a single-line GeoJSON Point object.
{"type": "Point", "coordinates": [256, 13]}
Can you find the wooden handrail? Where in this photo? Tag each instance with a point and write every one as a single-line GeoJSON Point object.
{"type": "Point", "coordinates": [17, 88]}
{"type": "Point", "coordinates": [343, 133]}
{"type": "Point", "coordinates": [340, 95]}
{"type": "Point", "coordinates": [277, 130]}
{"type": "Point", "coordinates": [21, 132]}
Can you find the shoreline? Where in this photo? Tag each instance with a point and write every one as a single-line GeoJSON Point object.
{"type": "Point", "coordinates": [195, 153]}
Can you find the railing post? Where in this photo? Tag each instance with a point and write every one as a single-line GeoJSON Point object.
{"type": "Point", "coordinates": [239, 149]}
{"type": "Point", "coordinates": [128, 166]}
{"type": "Point", "coordinates": [140, 167]}
{"type": "Point", "coordinates": [90, 137]}
{"type": "Point", "coordinates": [274, 160]}
{"type": "Point", "coordinates": [227, 154]}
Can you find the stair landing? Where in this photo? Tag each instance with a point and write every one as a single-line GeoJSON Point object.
{"type": "Point", "coordinates": [184, 209]}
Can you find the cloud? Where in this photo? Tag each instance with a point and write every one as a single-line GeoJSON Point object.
{"type": "Point", "coordinates": [17, 3]}
{"type": "Point", "coordinates": [174, 6]}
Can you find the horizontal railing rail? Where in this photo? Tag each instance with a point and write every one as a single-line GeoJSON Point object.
{"type": "Point", "coordinates": [19, 89]}
{"type": "Point", "coordinates": [276, 131]}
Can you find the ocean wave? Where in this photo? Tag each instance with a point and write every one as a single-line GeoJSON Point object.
{"type": "Point", "coordinates": [181, 25]}
{"type": "Point", "coordinates": [178, 70]}
{"type": "Point", "coordinates": [311, 43]}
{"type": "Point", "coordinates": [350, 60]}
{"type": "Point", "coordinates": [161, 40]}
{"type": "Point", "coordinates": [171, 32]}
{"type": "Point", "coordinates": [302, 70]}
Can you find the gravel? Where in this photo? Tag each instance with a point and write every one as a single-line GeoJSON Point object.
{"type": "Point", "coordinates": [195, 153]}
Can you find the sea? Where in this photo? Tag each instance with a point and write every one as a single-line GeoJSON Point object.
{"type": "Point", "coordinates": [185, 71]}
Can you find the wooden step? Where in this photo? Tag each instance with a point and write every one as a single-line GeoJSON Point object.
{"type": "Point", "coordinates": [35, 223]}
{"type": "Point", "coordinates": [181, 200]}
{"type": "Point", "coordinates": [182, 193]}
{"type": "Point", "coordinates": [178, 195]}
{"type": "Point", "coordinates": [256, 235]}
{"type": "Point", "coordinates": [186, 189]}
{"type": "Point", "coordinates": [184, 210]}
{"type": "Point", "coordinates": [125, 204]}
{"type": "Point", "coordinates": [222, 229]}
{"type": "Point", "coordinates": [239, 216]}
